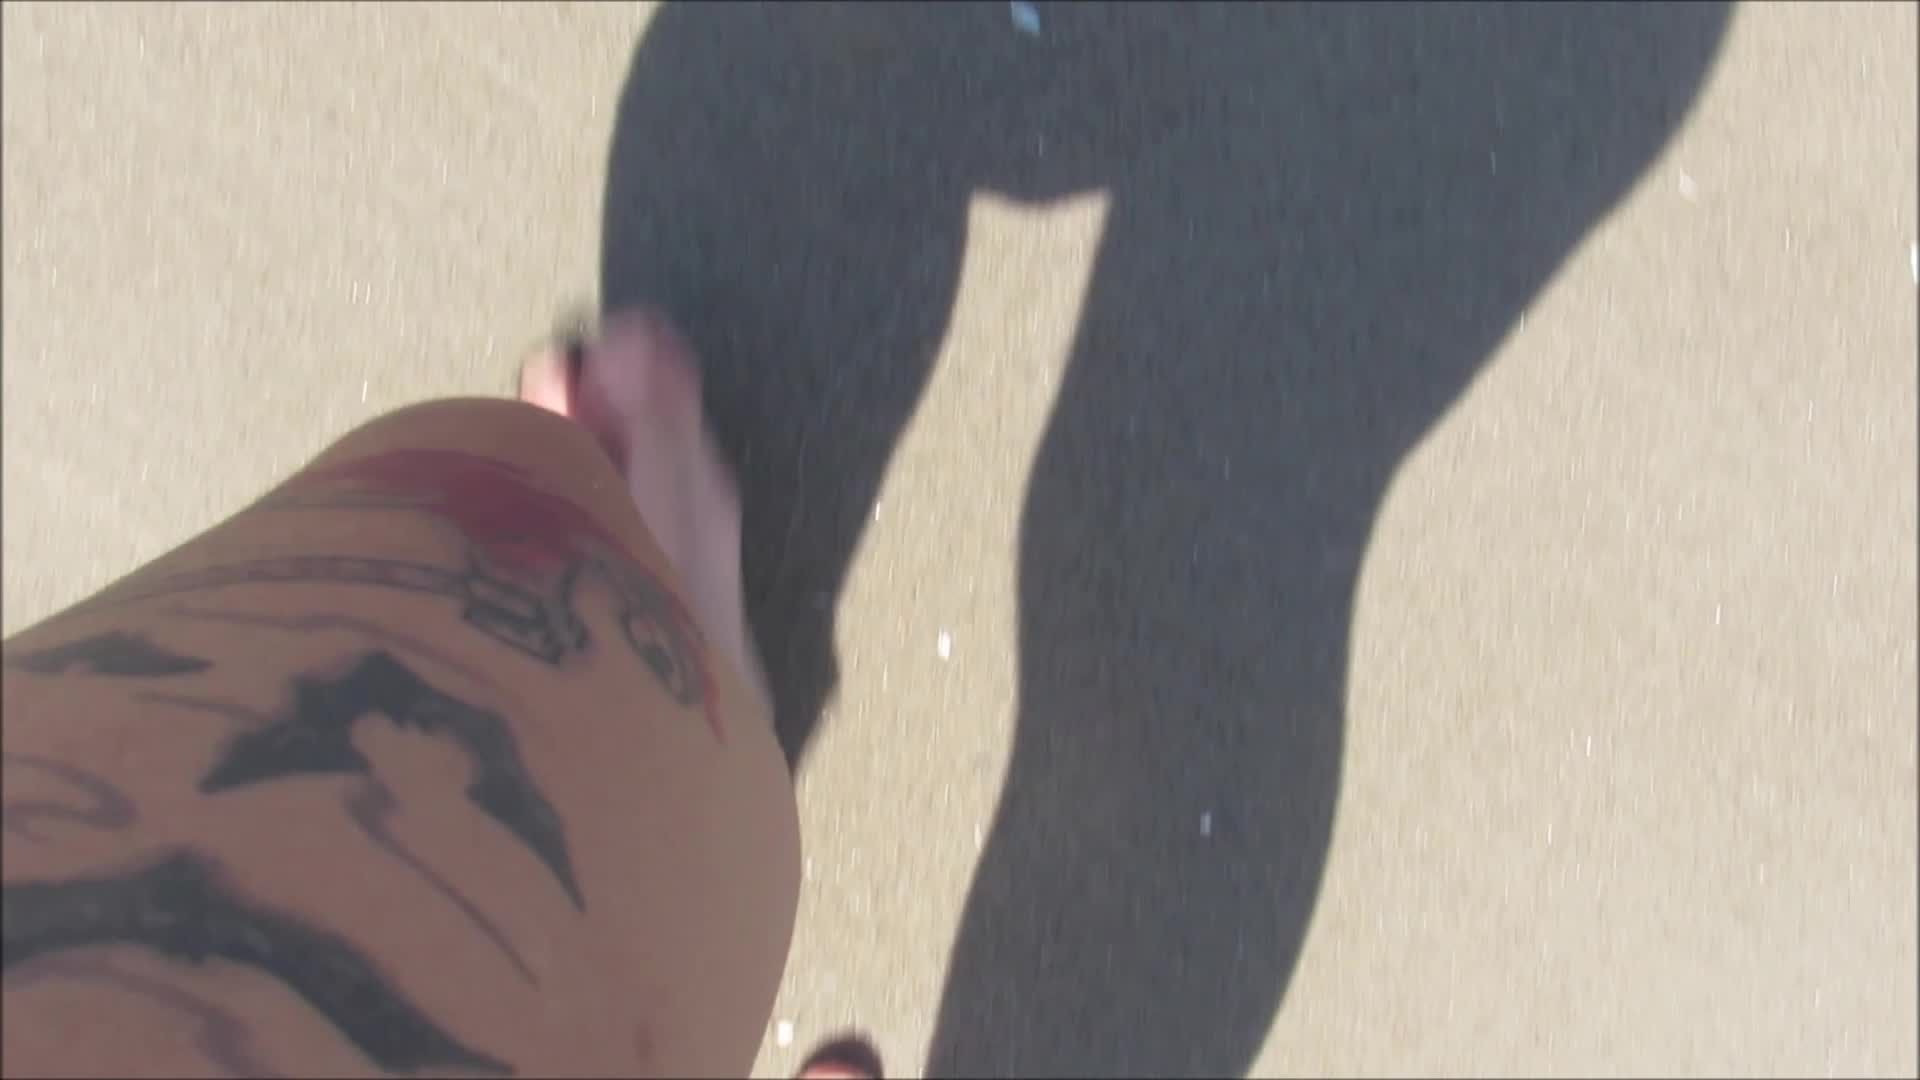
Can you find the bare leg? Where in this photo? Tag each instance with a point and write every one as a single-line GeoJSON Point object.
{"type": "Point", "coordinates": [448, 755]}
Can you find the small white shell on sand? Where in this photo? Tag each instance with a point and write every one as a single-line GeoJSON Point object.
{"type": "Point", "coordinates": [783, 1033]}
{"type": "Point", "coordinates": [944, 645]}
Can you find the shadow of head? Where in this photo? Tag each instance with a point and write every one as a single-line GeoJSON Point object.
{"type": "Point", "coordinates": [1321, 221]}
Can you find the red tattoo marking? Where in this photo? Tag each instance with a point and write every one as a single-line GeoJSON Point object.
{"type": "Point", "coordinates": [495, 505]}
{"type": "Point", "coordinates": [516, 525]}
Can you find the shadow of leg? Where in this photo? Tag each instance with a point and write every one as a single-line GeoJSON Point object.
{"type": "Point", "coordinates": [1324, 219]}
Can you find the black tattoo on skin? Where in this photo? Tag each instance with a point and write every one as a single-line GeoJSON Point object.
{"type": "Point", "coordinates": [542, 625]}
{"type": "Point", "coordinates": [333, 622]}
{"type": "Point", "coordinates": [179, 908]}
{"type": "Point", "coordinates": [116, 652]}
{"type": "Point", "coordinates": [503, 609]}
{"type": "Point", "coordinates": [225, 1039]}
{"type": "Point", "coordinates": [369, 808]}
{"type": "Point", "coordinates": [108, 809]}
{"type": "Point", "coordinates": [227, 710]}
{"type": "Point", "coordinates": [316, 736]}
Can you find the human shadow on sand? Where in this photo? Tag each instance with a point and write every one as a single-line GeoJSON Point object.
{"type": "Point", "coordinates": [1321, 222]}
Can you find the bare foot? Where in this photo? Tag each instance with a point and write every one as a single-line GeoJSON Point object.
{"type": "Point", "coordinates": [636, 388]}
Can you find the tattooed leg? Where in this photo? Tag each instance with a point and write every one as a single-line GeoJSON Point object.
{"type": "Point", "coordinates": [473, 687]}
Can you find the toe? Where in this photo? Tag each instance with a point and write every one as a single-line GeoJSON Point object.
{"type": "Point", "coordinates": [546, 380]}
